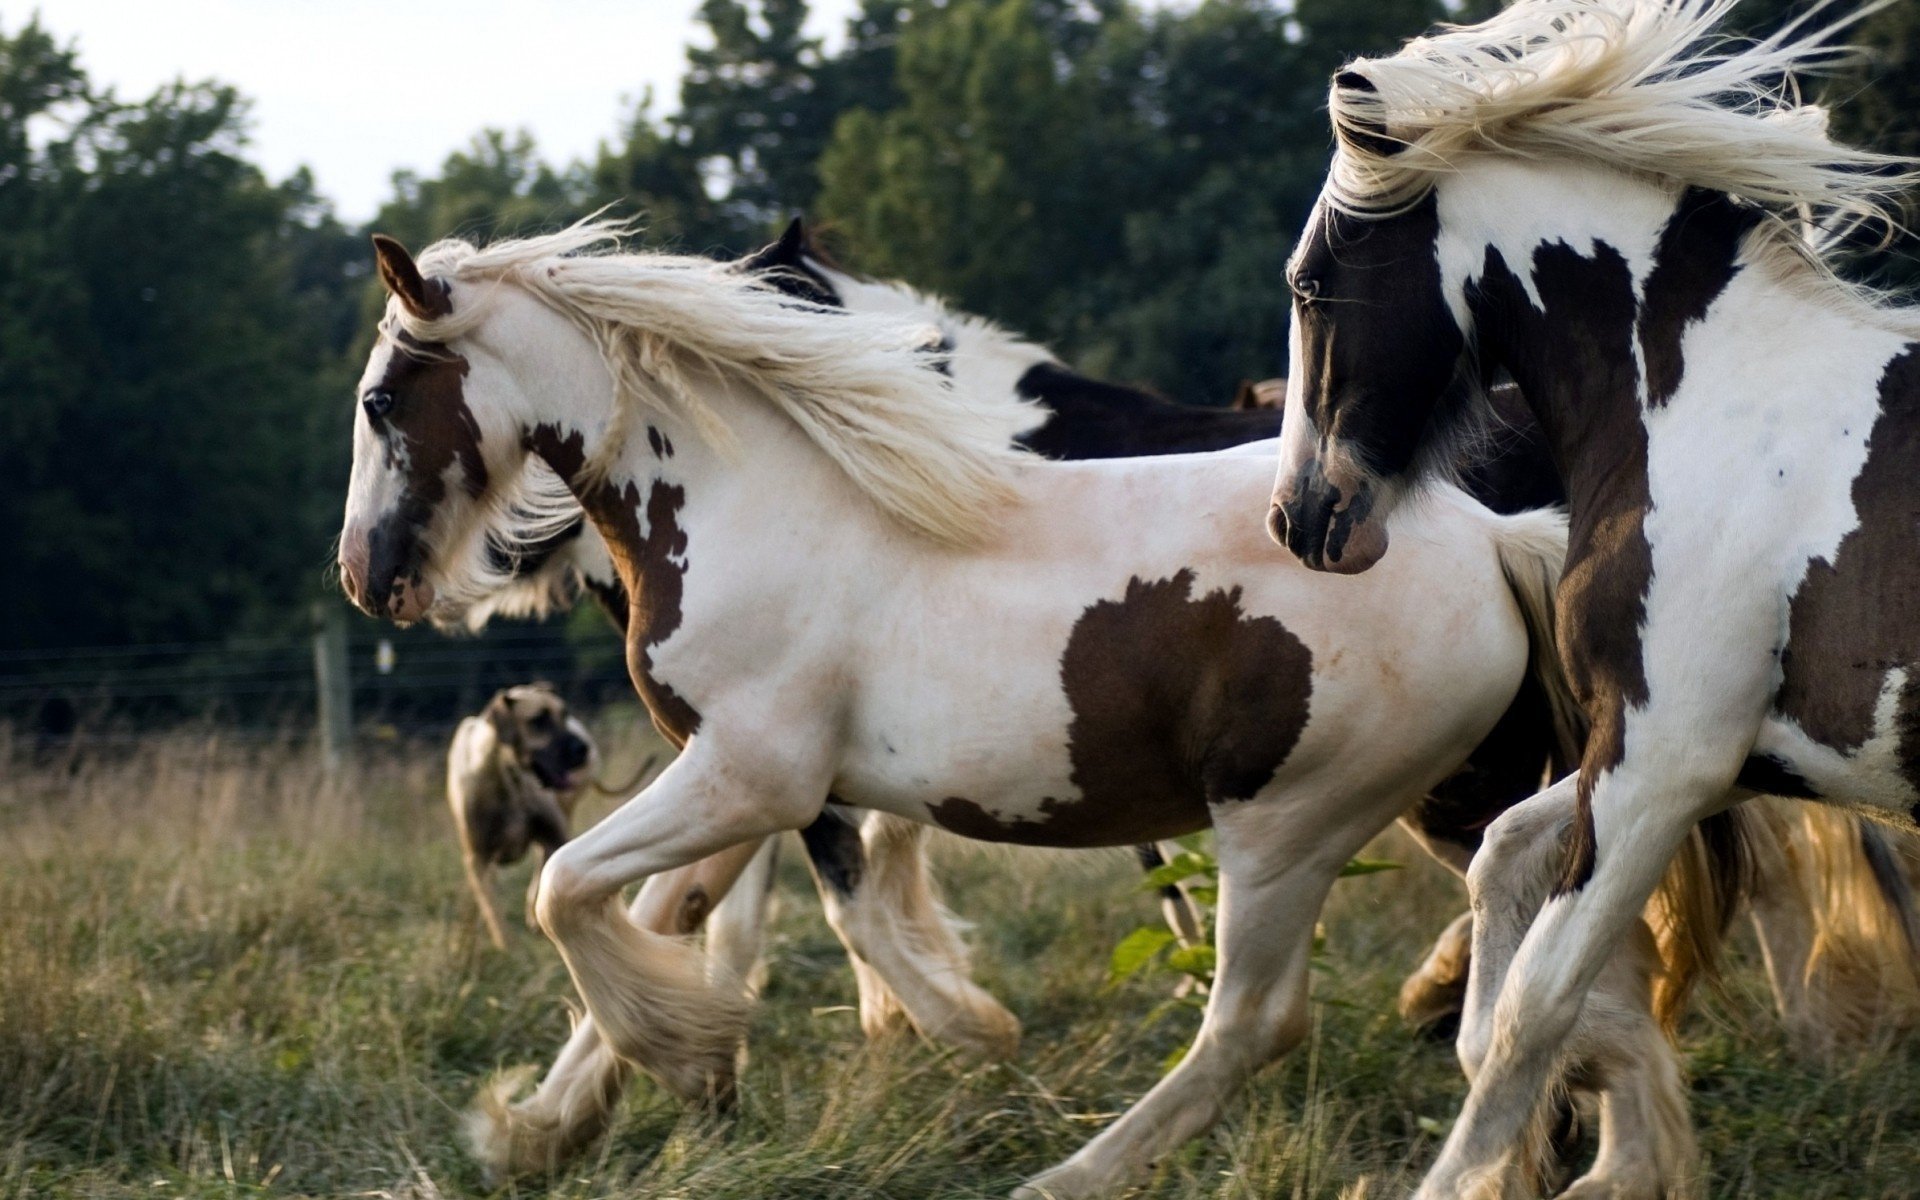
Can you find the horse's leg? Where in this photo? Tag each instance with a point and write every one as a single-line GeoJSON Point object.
{"type": "Point", "coordinates": [1647, 1151]}
{"type": "Point", "coordinates": [1437, 989]}
{"type": "Point", "coordinates": [575, 1100]}
{"type": "Point", "coordinates": [737, 930]}
{"type": "Point", "coordinates": [873, 880]}
{"type": "Point", "coordinates": [1182, 914]}
{"type": "Point", "coordinates": [1528, 992]}
{"type": "Point", "coordinates": [1276, 864]}
{"type": "Point", "coordinates": [648, 993]}
{"type": "Point", "coordinates": [1785, 921]}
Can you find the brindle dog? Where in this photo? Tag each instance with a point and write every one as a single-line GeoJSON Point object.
{"type": "Point", "coordinates": [514, 774]}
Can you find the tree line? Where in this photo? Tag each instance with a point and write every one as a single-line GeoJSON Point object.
{"type": "Point", "coordinates": [179, 334]}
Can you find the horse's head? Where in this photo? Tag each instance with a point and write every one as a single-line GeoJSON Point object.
{"type": "Point", "coordinates": [424, 463]}
{"type": "Point", "coordinates": [1374, 347]}
{"type": "Point", "coordinates": [794, 264]}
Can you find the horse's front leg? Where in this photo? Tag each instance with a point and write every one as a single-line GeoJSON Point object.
{"type": "Point", "coordinates": [1527, 993]}
{"type": "Point", "coordinates": [574, 1102]}
{"type": "Point", "coordinates": [649, 994]}
{"type": "Point", "coordinates": [1275, 871]}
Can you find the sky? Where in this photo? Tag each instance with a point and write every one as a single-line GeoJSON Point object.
{"type": "Point", "coordinates": [357, 89]}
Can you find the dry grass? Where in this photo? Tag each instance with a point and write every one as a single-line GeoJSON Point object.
{"type": "Point", "coordinates": [222, 976]}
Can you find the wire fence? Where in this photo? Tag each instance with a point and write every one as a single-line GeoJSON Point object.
{"type": "Point", "coordinates": [399, 682]}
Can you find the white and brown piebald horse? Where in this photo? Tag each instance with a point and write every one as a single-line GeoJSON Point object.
{"type": "Point", "coordinates": [846, 584]}
{"type": "Point", "coordinates": [1596, 198]}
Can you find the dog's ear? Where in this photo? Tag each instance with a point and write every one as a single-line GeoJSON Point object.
{"type": "Point", "coordinates": [499, 714]}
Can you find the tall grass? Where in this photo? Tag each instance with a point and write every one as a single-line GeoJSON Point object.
{"type": "Point", "coordinates": [222, 974]}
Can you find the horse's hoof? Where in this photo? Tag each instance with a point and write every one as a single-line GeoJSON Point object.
{"type": "Point", "coordinates": [1064, 1182]}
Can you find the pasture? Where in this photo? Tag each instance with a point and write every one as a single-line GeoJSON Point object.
{"type": "Point", "coordinates": [222, 976]}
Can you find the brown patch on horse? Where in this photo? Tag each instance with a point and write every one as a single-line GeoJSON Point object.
{"type": "Point", "coordinates": [695, 904]}
{"type": "Point", "coordinates": [1697, 258]}
{"type": "Point", "coordinates": [1851, 620]}
{"type": "Point", "coordinates": [1179, 703]}
{"type": "Point", "coordinates": [651, 564]}
{"type": "Point", "coordinates": [1574, 362]}
{"type": "Point", "coordinates": [431, 417]}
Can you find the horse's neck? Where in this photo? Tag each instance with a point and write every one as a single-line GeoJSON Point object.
{"type": "Point", "coordinates": [666, 479]}
{"type": "Point", "coordinates": [1590, 324]}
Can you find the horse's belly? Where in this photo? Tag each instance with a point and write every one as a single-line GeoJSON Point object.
{"type": "Point", "coordinates": [1854, 741]}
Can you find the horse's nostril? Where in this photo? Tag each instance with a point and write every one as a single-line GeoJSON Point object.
{"type": "Point", "coordinates": [1277, 526]}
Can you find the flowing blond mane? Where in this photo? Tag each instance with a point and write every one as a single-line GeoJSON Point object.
{"type": "Point", "coordinates": [1646, 85]}
{"type": "Point", "coordinates": [860, 387]}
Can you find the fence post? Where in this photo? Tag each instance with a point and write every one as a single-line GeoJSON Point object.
{"type": "Point", "coordinates": [331, 685]}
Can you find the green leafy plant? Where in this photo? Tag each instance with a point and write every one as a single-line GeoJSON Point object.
{"type": "Point", "coordinates": [1157, 950]}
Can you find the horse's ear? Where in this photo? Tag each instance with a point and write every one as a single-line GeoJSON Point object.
{"type": "Point", "coordinates": [793, 241]}
{"type": "Point", "coordinates": [424, 298]}
{"type": "Point", "coordinates": [1362, 131]}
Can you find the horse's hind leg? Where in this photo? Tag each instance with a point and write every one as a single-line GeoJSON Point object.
{"type": "Point", "coordinates": [1182, 914]}
{"type": "Point", "coordinates": [1275, 870]}
{"type": "Point", "coordinates": [1437, 989]}
{"type": "Point", "coordinates": [873, 880]}
{"type": "Point", "coordinates": [575, 1100]}
{"type": "Point", "coordinates": [737, 929]}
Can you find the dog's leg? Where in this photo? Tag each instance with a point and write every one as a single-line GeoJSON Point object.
{"type": "Point", "coordinates": [480, 880]}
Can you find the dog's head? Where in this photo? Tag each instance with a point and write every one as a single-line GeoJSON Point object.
{"type": "Point", "coordinates": [535, 729]}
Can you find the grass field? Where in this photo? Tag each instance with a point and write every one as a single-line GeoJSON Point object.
{"type": "Point", "coordinates": [220, 976]}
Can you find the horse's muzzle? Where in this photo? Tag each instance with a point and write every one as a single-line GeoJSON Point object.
{"type": "Point", "coordinates": [1326, 527]}
{"type": "Point", "coordinates": [379, 576]}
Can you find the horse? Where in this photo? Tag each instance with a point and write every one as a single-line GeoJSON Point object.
{"type": "Point", "coordinates": [1809, 948]}
{"type": "Point", "coordinates": [848, 587]}
{"type": "Point", "coordinates": [1602, 202]}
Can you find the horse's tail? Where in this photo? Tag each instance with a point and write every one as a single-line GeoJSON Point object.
{"type": "Point", "coordinates": [1532, 547]}
{"type": "Point", "coordinates": [1861, 973]}
{"type": "Point", "coordinates": [1704, 888]}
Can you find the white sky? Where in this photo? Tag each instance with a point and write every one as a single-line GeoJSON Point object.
{"type": "Point", "coordinates": [356, 89]}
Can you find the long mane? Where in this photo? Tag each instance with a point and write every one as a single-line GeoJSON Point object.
{"type": "Point", "coordinates": [1646, 85]}
{"type": "Point", "coordinates": [860, 387]}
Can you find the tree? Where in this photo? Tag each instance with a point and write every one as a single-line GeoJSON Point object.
{"type": "Point", "coordinates": [992, 182]}
{"type": "Point", "coordinates": [159, 390]}
{"type": "Point", "coordinates": [752, 108]}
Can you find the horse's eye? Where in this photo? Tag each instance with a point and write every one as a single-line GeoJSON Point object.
{"type": "Point", "coordinates": [378, 403]}
{"type": "Point", "coordinates": [1307, 287]}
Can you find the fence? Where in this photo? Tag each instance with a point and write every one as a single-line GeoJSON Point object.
{"type": "Point", "coordinates": [342, 678]}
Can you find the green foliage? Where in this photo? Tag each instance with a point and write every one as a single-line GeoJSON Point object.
{"type": "Point", "coordinates": [1152, 949]}
{"type": "Point", "coordinates": [166, 350]}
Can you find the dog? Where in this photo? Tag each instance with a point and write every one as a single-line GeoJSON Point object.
{"type": "Point", "coordinates": [514, 774]}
